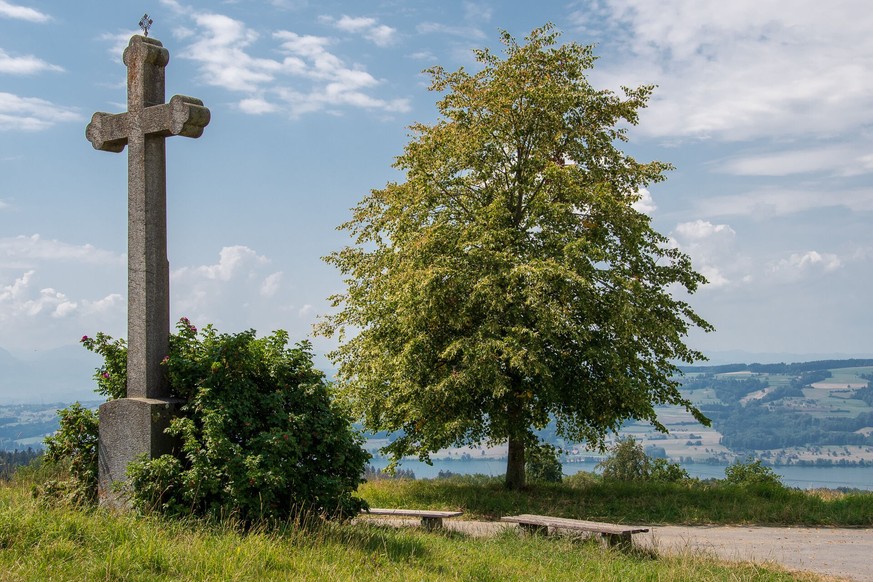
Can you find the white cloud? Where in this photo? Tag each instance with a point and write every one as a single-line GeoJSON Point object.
{"type": "Point", "coordinates": [174, 6]}
{"type": "Point", "coordinates": [25, 65]}
{"type": "Point", "coordinates": [34, 247]}
{"type": "Point", "coordinates": [710, 247]}
{"type": "Point", "coordinates": [744, 69]}
{"type": "Point", "coordinates": [336, 84]}
{"type": "Point", "coordinates": [840, 160]}
{"type": "Point", "coordinates": [465, 32]}
{"type": "Point", "coordinates": [39, 316]}
{"type": "Point", "coordinates": [231, 260]}
{"type": "Point", "coordinates": [220, 49]}
{"type": "Point", "coordinates": [271, 284]}
{"type": "Point", "coordinates": [14, 11]}
{"type": "Point", "coordinates": [118, 41]}
{"type": "Point", "coordinates": [32, 114]}
{"type": "Point", "coordinates": [803, 265]}
{"type": "Point", "coordinates": [699, 230]}
{"type": "Point", "coordinates": [182, 33]}
{"type": "Point", "coordinates": [423, 56]}
{"type": "Point", "coordinates": [225, 49]}
{"type": "Point", "coordinates": [369, 28]}
{"type": "Point", "coordinates": [229, 293]}
{"type": "Point", "coordinates": [769, 202]}
{"type": "Point", "coordinates": [644, 203]}
{"type": "Point", "coordinates": [477, 12]}
{"type": "Point", "coordinates": [257, 106]}
{"type": "Point", "coordinates": [111, 303]}
{"type": "Point", "coordinates": [25, 250]}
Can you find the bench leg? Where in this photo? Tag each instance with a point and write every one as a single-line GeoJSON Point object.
{"type": "Point", "coordinates": [618, 541]}
{"type": "Point", "coordinates": [431, 523]}
{"type": "Point", "coordinates": [534, 529]}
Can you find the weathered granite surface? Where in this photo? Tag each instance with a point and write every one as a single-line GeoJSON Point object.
{"type": "Point", "coordinates": [130, 428]}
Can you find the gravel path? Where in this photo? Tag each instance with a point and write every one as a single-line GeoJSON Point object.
{"type": "Point", "coordinates": [846, 553]}
{"type": "Point", "coordinates": [841, 552]}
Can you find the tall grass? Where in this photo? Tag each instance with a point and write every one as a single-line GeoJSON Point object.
{"type": "Point", "coordinates": [55, 543]}
{"type": "Point", "coordinates": [653, 503]}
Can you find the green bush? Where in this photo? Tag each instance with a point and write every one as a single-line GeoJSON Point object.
{"type": "Point", "coordinates": [581, 480]}
{"type": "Point", "coordinates": [261, 437]}
{"type": "Point", "coordinates": [71, 453]}
{"type": "Point", "coordinates": [751, 473]}
{"type": "Point", "coordinates": [111, 376]}
{"type": "Point", "coordinates": [664, 470]}
{"type": "Point", "coordinates": [71, 458]}
{"type": "Point", "coordinates": [629, 462]}
{"type": "Point", "coordinates": [542, 464]}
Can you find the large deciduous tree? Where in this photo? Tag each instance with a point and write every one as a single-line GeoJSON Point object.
{"type": "Point", "coordinates": [509, 280]}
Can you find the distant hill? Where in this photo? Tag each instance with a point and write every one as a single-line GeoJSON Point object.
{"type": "Point", "coordinates": [780, 368]}
{"type": "Point", "coordinates": [59, 375]}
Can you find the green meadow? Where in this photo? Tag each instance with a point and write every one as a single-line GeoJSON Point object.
{"type": "Point", "coordinates": [62, 543]}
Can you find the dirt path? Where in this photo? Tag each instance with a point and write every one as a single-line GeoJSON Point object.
{"type": "Point", "coordinates": [841, 552]}
{"type": "Point", "coordinates": [847, 553]}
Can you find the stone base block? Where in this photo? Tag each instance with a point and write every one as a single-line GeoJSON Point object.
{"type": "Point", "coordinates": [129, 428]}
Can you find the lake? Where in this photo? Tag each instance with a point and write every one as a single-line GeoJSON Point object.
{"type": "Point", "coordinates": [792, 476]}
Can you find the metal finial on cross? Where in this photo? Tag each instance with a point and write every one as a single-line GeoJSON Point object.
{"type": "Point", "coordinates": [145, 23]}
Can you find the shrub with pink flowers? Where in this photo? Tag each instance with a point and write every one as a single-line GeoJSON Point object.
{"type": "Point", "coordinates": [261, 436]}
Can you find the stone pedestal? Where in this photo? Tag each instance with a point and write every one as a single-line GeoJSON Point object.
{"type": "Point", "coordinates": [129, 428]}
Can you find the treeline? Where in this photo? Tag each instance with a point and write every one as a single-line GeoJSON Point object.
{"type": "Point", "coordinates": [781, 368]}
{"type": "Point", "coordinates": [11, 460]}
{"type": "Point", "coordinates": [728, 390]}
{"type": "Point", "coordinates": [794, 389]}
{"type": "Point", "coordinates": [866, 394]}
{"type": "Point", "coordinates": [759, 426]}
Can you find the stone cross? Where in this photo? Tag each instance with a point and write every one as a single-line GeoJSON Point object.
{"type": "Point", "coordinates": [133, 425]}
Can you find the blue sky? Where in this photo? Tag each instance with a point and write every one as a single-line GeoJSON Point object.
{"type": "Point", "coordinates": [765, 108]}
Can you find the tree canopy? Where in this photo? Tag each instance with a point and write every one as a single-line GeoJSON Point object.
{"type": "Point", "coordinates": [509, 279]}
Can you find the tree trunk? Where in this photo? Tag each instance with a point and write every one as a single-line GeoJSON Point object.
{"type": "Point", "coordinates": [515, 464]}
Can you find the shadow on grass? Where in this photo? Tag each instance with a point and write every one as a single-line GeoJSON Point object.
{"type": "Point", "coordinates": [394, 544]}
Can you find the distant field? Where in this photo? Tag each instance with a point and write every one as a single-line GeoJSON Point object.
{"type": "Point", "coordinates": [826, 412]}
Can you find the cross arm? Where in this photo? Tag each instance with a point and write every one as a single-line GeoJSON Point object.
{"type": "Point", "coordinates": [108, 132]}
{"type": "Point", "coordinates": [185, 116]}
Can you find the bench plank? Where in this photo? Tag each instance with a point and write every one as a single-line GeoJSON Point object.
{"type": "Point", "coordinates": [580, 524]}
{"type": "Point", "coordinates": [412, 512]}
{"type": "Point", "coordinates": [429, 519]}
{"type": "Point", "coordinates": [615, 535]}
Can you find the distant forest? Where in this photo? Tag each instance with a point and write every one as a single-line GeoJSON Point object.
{"type": "Point", "coordinates": [781, 368]}
{"type": "Point", "coordinates": [11, 460]}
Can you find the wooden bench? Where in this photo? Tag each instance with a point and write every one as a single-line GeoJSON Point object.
{"type": "Point", "coordinates": [429, 519]}
{"type": "Point", "coordinates": [615, 535]}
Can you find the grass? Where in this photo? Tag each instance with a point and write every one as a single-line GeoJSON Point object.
{"type": "Point", "coordinates": [43, 543]}
{"type": "Point", "coordinates": [632, 503]}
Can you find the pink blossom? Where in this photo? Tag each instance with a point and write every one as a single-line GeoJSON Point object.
{"type": "Point", "coordinates": [106, 375]}
{"type": "Point", "coordinates": [84, 338]}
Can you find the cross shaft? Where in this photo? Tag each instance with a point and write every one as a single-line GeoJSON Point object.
{"type": "Point", "coordinates": [143, 129]}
